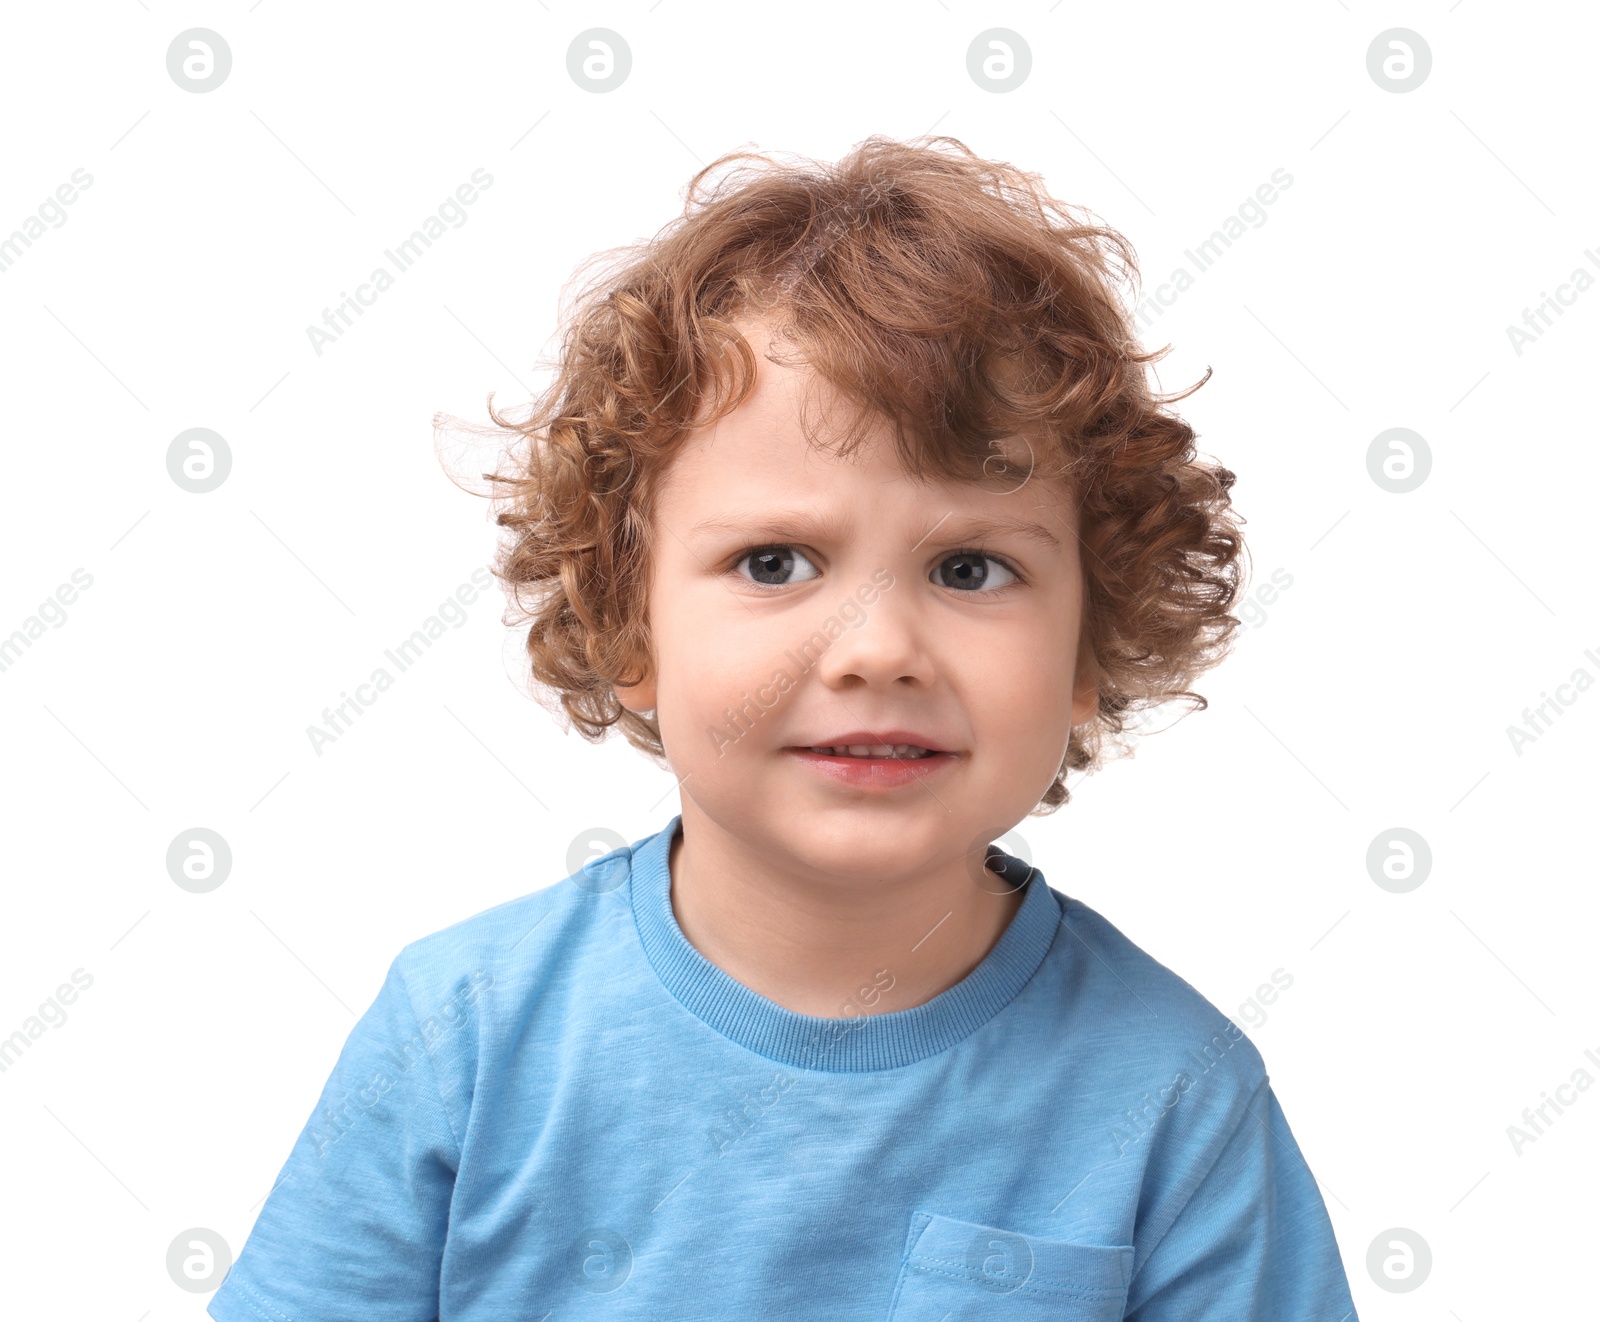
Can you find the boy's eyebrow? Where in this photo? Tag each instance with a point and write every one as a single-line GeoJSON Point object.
{"type": "Point", "coordinates": [809, 523]}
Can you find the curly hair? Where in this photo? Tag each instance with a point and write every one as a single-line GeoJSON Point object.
{"type": "Point", "coordinates": [943, 292]}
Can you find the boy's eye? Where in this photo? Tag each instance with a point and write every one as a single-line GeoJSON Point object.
{"type": "Point", "coordinates": [965, 571]}
{"type": "Point", "coordinates": [770, 566]}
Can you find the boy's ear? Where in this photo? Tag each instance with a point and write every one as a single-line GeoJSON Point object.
{"type": "Point", "coordinates": [638, 698]}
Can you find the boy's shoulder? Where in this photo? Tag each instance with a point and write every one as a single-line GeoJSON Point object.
{"type": "Point", "coordinates": [540, 936]}
{"type": "Point", "coordinates": [1107, 985]}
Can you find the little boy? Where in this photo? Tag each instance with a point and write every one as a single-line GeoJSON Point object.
{"type": "Point", "coordinates": [817, 1048]}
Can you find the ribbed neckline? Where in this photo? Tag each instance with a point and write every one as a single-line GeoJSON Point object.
{"type": "Point", "coordinates": [838, 1045]}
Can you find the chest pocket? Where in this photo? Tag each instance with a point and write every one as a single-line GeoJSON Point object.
{"type": "Point", "coordinates": [960, 1271]}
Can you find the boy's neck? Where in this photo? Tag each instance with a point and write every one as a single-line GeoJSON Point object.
{"type": "Point", "coordinates": [814, 949]}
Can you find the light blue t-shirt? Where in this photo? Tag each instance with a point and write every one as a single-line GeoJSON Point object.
{"type": "Point", "coordinates": [559, 1109]}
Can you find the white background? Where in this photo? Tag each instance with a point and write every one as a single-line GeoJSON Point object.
{"type": "Point", "coordinates": [1375, 693]}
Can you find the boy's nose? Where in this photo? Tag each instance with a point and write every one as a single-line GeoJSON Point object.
{"type": "Point", "coordinates": [880, 644]}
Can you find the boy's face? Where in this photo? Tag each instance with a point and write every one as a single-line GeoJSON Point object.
{"type": "Point", "coordinates": [870, 620]}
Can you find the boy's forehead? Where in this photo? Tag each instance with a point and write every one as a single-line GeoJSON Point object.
{"type": "Point", "coordinates": [728, 480]}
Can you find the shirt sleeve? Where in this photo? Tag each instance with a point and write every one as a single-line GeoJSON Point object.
{"type": "Point", "coordinates": [354, 1227]}
{"type": "Point", "coordinates": [1253, 1243]}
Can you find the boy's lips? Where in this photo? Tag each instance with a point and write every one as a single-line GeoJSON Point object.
{"type": "Point", "coordinates": [877, 738]}
{"type": "Point", "coordinates": [872, 772]}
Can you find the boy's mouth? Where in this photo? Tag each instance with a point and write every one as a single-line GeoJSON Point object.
{"type": "Point", "coordinates": [875, 744]}
{"type": "Point", "coordinates": [874, 767]}
{"type": "Point", "coordinates": [876, 759]}
{"type": "Point", "coordinates": [875, 750]}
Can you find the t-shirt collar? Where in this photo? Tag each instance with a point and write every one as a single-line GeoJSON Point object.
{"type": "Point", "coordinates": [849, 1044]}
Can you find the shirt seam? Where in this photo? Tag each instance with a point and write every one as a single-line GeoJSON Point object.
{"type": "Point", "coordinates": [702, 988]}
{"type": "Point", "coordinates": [262, 1308]}
{"type": "Point", "coordinates": [1222, 1147]}
{"type": "Point", "coordinates": [1038, 1285]}
{"type": "Point", "coordinates": [427, 1055]}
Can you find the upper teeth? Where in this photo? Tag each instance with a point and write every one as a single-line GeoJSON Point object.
{"type": "Point", "coordinates": [875, 750]}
